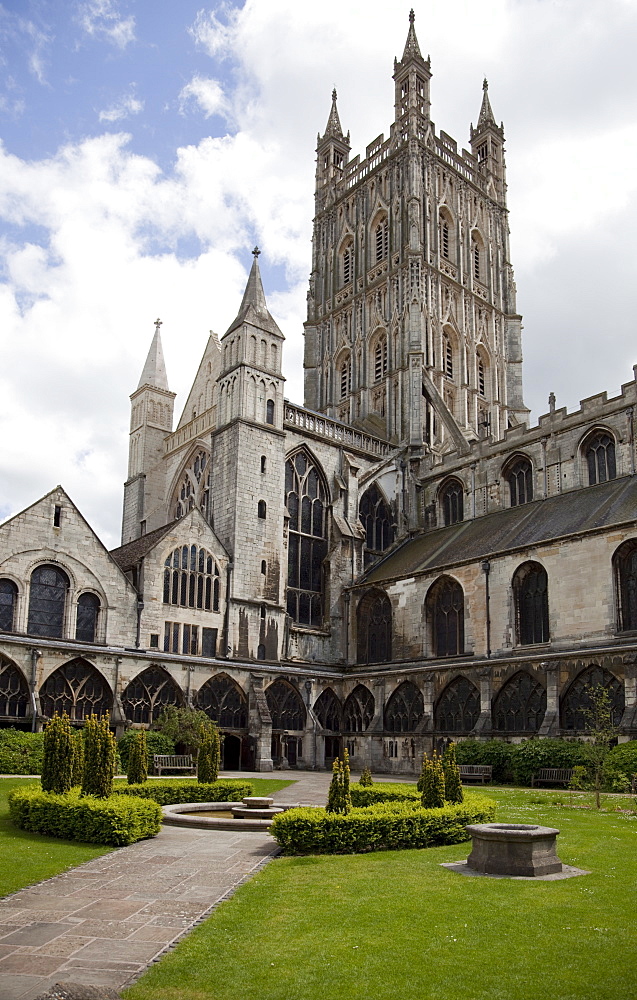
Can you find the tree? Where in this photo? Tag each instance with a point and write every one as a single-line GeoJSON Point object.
{"type": "Point", "coordinates": [57, 765]}
{"type": "Point", "coordinates": [453, 785]}
{"type": "Point", "coordinates": [183, 725]}
{"type": "Point", "coordinates": [602, 733]}
{"type": "Point", "coordinates": [338, 797]}
{"type": "Point", "coordinates": [100, 751]}
{"type": "Point", "coordinates": [137, 770]}
{"type": "Point", "coordinates": [209, 757]}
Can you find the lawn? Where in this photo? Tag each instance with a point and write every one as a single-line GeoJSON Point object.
{"type": "Point", "coordinates": [397, 925]}
{"type": "Point", "coordinates": [26, 858]}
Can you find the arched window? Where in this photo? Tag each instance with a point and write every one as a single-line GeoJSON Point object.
{"type": "Point", "coordinates": [347, 262]}
{"type": "Point", "coordinates": [327, 709]}
{"type": "Point", "coordinates": [193, 487]}
{"type": "Point", "coordinates": [8, 604]}
{"type": "Point", "coordinates": [47, 601]}
{"type": "Point", "coordinates": [451, 502]}
{"type": "Point", "coordinates": [358, 710]}
{"type": "Point", "coordinates": [345, 376]}
{"type": "Point", "coordinates": [477, 255]}
{"type": "Point", "coordinates": [189, 573]}
{"type": "Point", "coordinates": [405, 709]}
{"type": "Point", "coordinates": [306, 501]}
{"type": "Point", "coordinates": [531, 599]}
{"type": "Point", "coordinates": [376, 519]}
{"type": "Point", "coordinates": [380, 358]}
{"type": "Point", "coordinates": [577, 703]}
{"type": "Point", "coordinates": [445, 608]}
{"type": "Point", "coordinates": [447, 356]}
{"type": "Point", "coordinates": [480, 375]}
{"type": "Point", "coordinates": [76, 688]}
{"type": "Point", "coordinates": [519, 476]}
{"type": "Point", "coordinates": [148, 694]}
{"type": "Point", "coordinates": [224, 702]}
{"type": "Point", "coordinates": [458, 707]}
{"type": "Point", "coordinates": [88, 610]}
{"type": "Point", "coordinates": [381, 240]}
{"type": "Point", "coordinates": [625, 567]}
{"type": "Point", "coordinates": [520, 705]}
{"type": "Point", "coordinates": [14, 693]}
{"type": "Point", "coordinates": [269, 411]}
{"type": "Point", "coordinates": [374, 628]}
{"type": "Point", "coordinates": [286, 706]}
{"type": "Point", "coordinates": [262, 510]}
{"type": "Point", "coordinates": [445, 231]}
{"type": "Point", "coordinates": [599, 451]}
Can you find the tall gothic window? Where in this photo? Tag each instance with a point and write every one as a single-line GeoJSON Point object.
{"type": "Point", "coordinates": [327, 709]}
{"type": "Point", "coordinates": [381, 240]}
{"type": "Point", "coordinates": [451, 502]}
{"type": "Point", "coordinates": [380, 358]}
{"type": "Point", "coordinates": [520, 705]}
{"type": "Point", "coordinates": [8, 603]}
{"type": "Point", "coordinates": [224, 702]}
{"type": "Point", "coordinates": [348, 263]}
{"type": "Point", "coordinates": [519, 476]}
{"type": "Point", "coordinates": [148, 694]}
{"type": "Point", "coordinates": [88, 609]}
{"type": "Point", "coordinates": [481, 375]}
{"type": "Point", "coordinates": [445, 608]}
{"type": "Point", "coordinates": [374, 628]}
{"type": "Point", "coordinates": [76, 688]}
{"type": "Point", "coordinates": [47, 601]}
{"type": "Point", "coordinates": [458, 707]}
{"type": "Point", "coordinates": [191, 579]}
{"type": "Point", "coordinates": [599, 451]}
{"type": "Point", "coordinates": [625, 566]}
{"type": "Point", "coordinates": [376, 519]}
{"type": "Point", "coordinates": [477, 256]}
{"type": "Point", "coordinates": [345, 376]}
{"type": "Point", "coordinates": [447, 359]}
{"type": "Point", "coordinates": [358, 710]}
{"type": "Point", "coordinates": [14, 693]}
{"type": "Point", "coordinates": [531, 599]}
{"type": "Point", "coordinates": [194, 485]}
{"type": "Point", "coordinates": [306, 503]}
{"type": "Point", "coordinates": [286, 706]}
{"type": "Point", "coordinates": [405, 709]}
{"type": "Point", "coordinates": [577, 702]}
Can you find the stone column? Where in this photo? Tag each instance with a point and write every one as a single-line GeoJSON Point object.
{"type": "Point", "coordinates": [484, 725]}
{"type": "Point", "coordinates": [260, 725]}
{"type": "Point", "coordinates": [629, 718]}
{"type": "Point", "coordinates": [551, 721]}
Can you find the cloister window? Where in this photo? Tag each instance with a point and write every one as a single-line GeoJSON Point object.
{"type": "Point", "coordinates": [348, 264]}
{"type": "Point", "coordinates": [451, 502]}
{"type": "Point", "coordinates": [8, 603]}
{"type": "Point", "coordinates": [76, 688]}
{"type": "Point", "coordinates": [381, 240]}
{"type": "Point", "coordinates": [375, 515]}
{"type": "Point", "coordinates": [88, 609]}
{"type": "Point", "coordinates": [374, 628]}
{"type": "Point", "coordinates": [47, 601]}
{"type": "Point", "coordinates": [148, 694]}
{"type": "Point", "coordinates": [327, 709]}
{"type": "Point", "coordinates": [519, 476]}
{"type": "Point", "coordinates": [445, 607]}
{"type": "Point", "coordinates": [577, 702]}
{"type": "Point", "coordinates": [189, 575]}
{"type": "Point", "coordinates": [531, 599]}
{"type": "Point", "coordinates": [520, 705]}
{"type": "Point", "coordinates": [14, 693]}
{"type": "Point", "coordinates": [380, 358]}
{"type": "Point", "coordinates": [224, 702]}
{"type": "Point", "coordinates": [286, 706]}
{"type": "Point", "coordinates": [599, 451]}
{"type": "Point", "coordinates": [625, 567]}
{"type": "Point", "coordinates": [306, 502]}
{"type": "Point", "coordinates": [405, 709]}
{"type": "Point", "coordinates": [458, 707]}
{"type": "Point", "coordinates": [358, 710]}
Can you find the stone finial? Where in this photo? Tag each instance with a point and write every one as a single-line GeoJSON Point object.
{"type": "Point", "coordinates": [552, 402]}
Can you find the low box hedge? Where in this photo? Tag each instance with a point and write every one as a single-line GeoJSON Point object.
{"type": "Point", "coordinates": [369, 795]}
{"type": "Point", "coordinates": [385, 826]}
{"type": "Point", "coordinates": [117, 820]}
{"type": "Point", "coordinates": [167, 792]}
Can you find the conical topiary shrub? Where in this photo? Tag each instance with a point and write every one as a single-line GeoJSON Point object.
{"type": "Point", "coordinates": [453, 785]}
{"type": "Point", "coordinates": [100, 751]}
{"type": "Point", "coordinates": [57, 765]}
{"type": "Point", "coordinates": [137, 770]}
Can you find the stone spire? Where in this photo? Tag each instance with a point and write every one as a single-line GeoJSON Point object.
{"type": "Point", "coordinates": [412, 48]}
{"type": "Point", "coordinates": [333, 128]}
{"type": "Point", "coordinates": [486, 114]}
{"type": "Point", "coordinates": [154, 371]}
{"type": "Point", "coordinates": [254, 308]}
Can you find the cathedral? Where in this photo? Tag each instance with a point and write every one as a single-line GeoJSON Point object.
{"type": "Point", "coordinates": [402, 560]}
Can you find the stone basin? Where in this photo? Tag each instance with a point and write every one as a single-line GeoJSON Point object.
{"type": "Point", "coordinates": [513, 849]}
{"type": "Point", "coordinates": [244, 817]}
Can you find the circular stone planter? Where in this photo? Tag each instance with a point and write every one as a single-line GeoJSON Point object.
{"type": "Point", "coordinates": [513, 849]}
{"type": "Point", "coordinates": [252, 814]}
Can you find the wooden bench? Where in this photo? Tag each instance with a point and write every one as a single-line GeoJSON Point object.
{"type": "Point", "coordinates": [475, 772]}
{"type": "Point", "coordinates": [173, 762]}
{"type": "Point", "coordinates": [552, 776]}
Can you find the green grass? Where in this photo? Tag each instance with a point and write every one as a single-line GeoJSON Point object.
{"type": "Point", "coordinates": [396, 925]}
{"type": "Point", "coordinates": [26, 858]}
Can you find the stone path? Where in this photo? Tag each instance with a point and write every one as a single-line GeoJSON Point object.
{"type": "Point", "coordinates": [104, 922]}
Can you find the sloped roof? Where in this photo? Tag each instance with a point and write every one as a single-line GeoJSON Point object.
{"type": "Point", "coordinates": [127, 556]}
{"type": "Point", "coordinates": [576, 512]}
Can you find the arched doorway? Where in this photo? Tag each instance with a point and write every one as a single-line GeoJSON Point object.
{"type": "Point", "coordinates": [231, 752]}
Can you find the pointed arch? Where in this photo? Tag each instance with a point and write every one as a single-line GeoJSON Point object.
{"type": "Point", "coordinates": [517, 473]}
{"type": "Point", "coordinates": [8, 604]}
{"type": "Point", "coordinates": [286, 706]}
{"type": "Point", "coordinates": [374, 628]}
{"type": "Point", "coordinates": [375, 515]}
{"type": "Point", "coordinates": [48, 594]}
{"type": "Point", "coordinates": [344, 373]}
{"type": "Point", "coordinates": [148, 693]}
{"type": "Point", "coordinates": [405, 709]}
{"type": "Point", "coordinates": [625, 573]}
{"type": "Point", "coordinates": [191, 484]}
{"type": "Point", "coordinates": [78, 689]}
{"type": "Point", "coordinates": [380, 237]}
{"type": "Point", "coordinates": [576, 701]}
{"type": "Point", "coordinates": [306, 501]}
{"type": "Point", "coordinates": [224, 701]}
{"type": "Point", "coordinates": [531, 603]}
{"type": "Point", "coordinates": [327, 709]}
{"type": "Point", "coordinates": [599, 455]}
{"type": "Point", "coordinates": [519, 705]}
{"type": "Point", "coordinates": [14, 691]}
{"type": "Point", "coordinates": [89, 609]}
{"type": "Point", "coordinates": [445, 613]}
{"type": "Point", "coordinates": [191, 578]}
{"type": "Point", "coordinates": [446, 234]}
{"type": "Point", "coordinates": [451, 501]}
{"type": "Point", "coordinates": [478, 257]}
{"type": "Point", "coordinates": [346, 256]}
{"type": "Point", "coordinates": [378, 356]}
{"type": "Point", "coordinates": [458, 707]}
{"type": "Point", "coordinates": [358, 710]}
{"type": "Point", "coordinates": [449, 362]}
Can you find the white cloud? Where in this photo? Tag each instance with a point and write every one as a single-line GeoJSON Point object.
{"type": "Point", "coordinates": [129, 105]}
{"type": "Point", "coordinates": [102, 19]}
{"type": "Point", "coordinates": [206, 93]}
{"type": "Point", "coordinates": [215, 37]}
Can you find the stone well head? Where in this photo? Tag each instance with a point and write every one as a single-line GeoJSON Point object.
{"type": "Point", "coordinates": [521, 849]}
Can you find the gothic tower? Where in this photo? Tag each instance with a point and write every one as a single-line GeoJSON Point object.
{"type": "Point", "coordinates": [412, 331]}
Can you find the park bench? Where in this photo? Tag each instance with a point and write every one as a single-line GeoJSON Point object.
{"type": "Point", "coordinates": [475, 772]}
{"type": "Point", "coordinates": [173, 762]}
{"type": "Point", "coordinates": [552, 776]}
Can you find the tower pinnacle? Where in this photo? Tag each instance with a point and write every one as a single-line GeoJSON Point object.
{"type": "Point", "coordinates": [486, 114]}
{"type": "Point", "coordinates": [412, 48]}
{"type": "Point", "coordinates": [333, 128]}
{"type": "Point", "coordinates": [154, 371]}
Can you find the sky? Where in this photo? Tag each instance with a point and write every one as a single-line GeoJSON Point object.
{"type": "Point", "coordinates": [146, 146]}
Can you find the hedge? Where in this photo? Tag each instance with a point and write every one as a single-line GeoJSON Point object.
{"type": "Point", "coordinates": [518, 762]}
{"type": "Point", "coordinates": [21, 752]}
{"type": "Point", "coordinates": [497, 753]}
{"type": "Point", "coordinates": [620, 766]}
{"type": "Point", "coordinates": [118, 820]}
{"type": "Point", "coordinates": [386, 826]}
{"type": "Point", "coordinates": [369, 795]}
{"type": "Point", "coordinates": [155, 743]}
{"type": "Point", "coordinates": [167, 792]}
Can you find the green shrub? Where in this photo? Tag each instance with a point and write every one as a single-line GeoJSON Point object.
{"type": "Point", "coordinates": [99, 757]}
{"type": "Point", "coordinates": [366, 778]}
{"type": "Point", "coordinates": [365, 795]}
{"type": "Point", "coordinates": [395, 826]}
{"type": "Point", "coordinates": [432, 782]}
{"type": "Point", "coordinates": [497, 753]}
{"type": "Point", "coordinates": [167, 792]}
{"type": "Point", "coordinates": [209, 756]}
{"type": "Point", "coordinates": [137, 771]}
{"type": "Point", "coordinates": [57, 764]}
{"type": "Point", "coordinates": [20, 752]}
{"type": "Point", "coordinates": [156, 743]}
{"type": "Point", "coordinates": [530, 755]}
{"type": "Point", "coordinates": [620, 766]}
{"type": "Point", "coordinates": [118, 820]}
{"type": "Point", "coordinates": [338, 796]}
{"type": "Point", "coordinates": [77, 757]}
{"type": "Point", "coordinates": [453, 785]}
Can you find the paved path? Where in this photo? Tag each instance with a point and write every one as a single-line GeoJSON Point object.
{"type": "Point", "coordinates": [104, 922]}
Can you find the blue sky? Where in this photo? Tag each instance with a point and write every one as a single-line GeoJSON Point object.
{"type": "Point", "coordinates": [147, 146]}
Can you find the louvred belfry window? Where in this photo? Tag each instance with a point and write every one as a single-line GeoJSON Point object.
{"type": "Point", "coordinates": [306, 503]}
